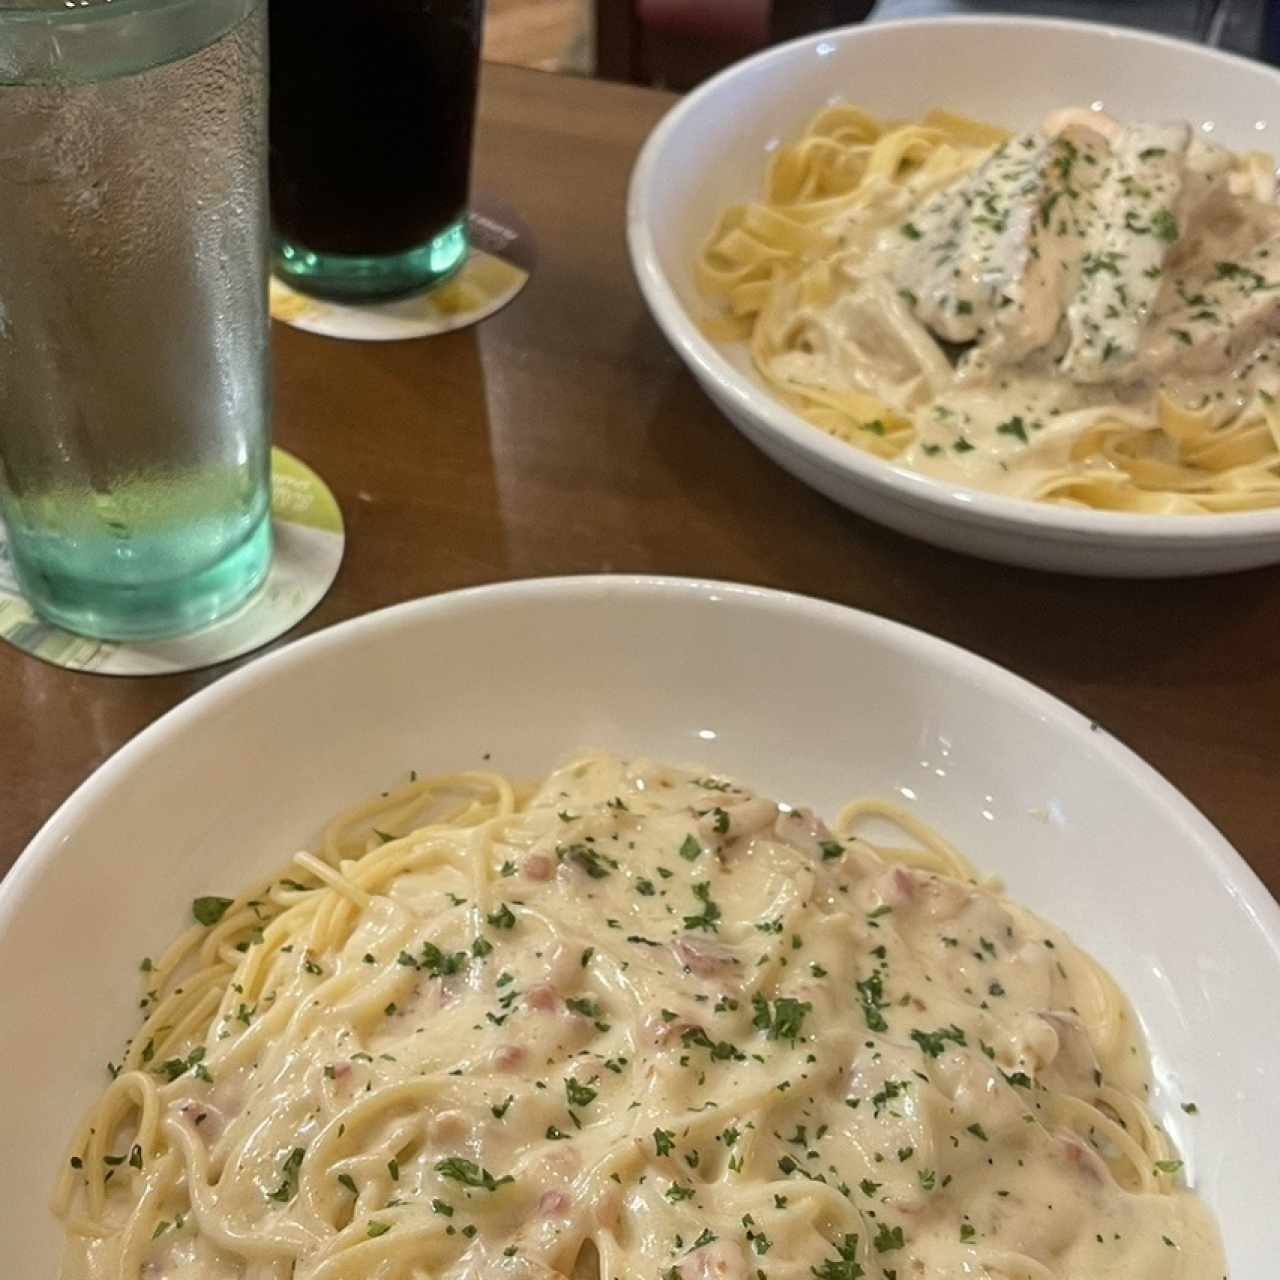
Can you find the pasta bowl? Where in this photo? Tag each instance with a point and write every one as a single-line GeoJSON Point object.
{"type": "Point", "coordinates": [519, 677]}
{"type": "Point", "coordinates": [711, 151]}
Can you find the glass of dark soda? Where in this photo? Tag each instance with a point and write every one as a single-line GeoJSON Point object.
{"type": "Point", "coordinates": [372, 111]}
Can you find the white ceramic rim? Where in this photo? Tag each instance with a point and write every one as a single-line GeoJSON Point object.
{"type": "Point", "coordinates": [229, 705]}
{"type": "Point", "coordinates": [1227, 864]}
{"type": "Point", "coordinates": [969, 505]}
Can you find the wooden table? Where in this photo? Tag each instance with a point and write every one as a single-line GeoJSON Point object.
{"type": "Point", "coordinates": [563, 436]}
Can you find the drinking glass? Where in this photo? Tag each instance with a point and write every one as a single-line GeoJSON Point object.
{"type": "Point", "coordinates": [134, 437]}
{"type": "Point", "coordinates": [372, 111]}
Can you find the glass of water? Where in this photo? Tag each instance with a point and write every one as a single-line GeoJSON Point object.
{"type": "Point", "coordinates": [134, 393]}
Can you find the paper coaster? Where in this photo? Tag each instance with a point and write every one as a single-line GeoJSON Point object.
{"type": "Point", "coordinates": [498, 267]}
{"type": "Point", "coordinates": [309, 540]}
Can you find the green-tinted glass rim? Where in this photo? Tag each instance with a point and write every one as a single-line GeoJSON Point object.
{"type": "Point", "coordinates": [58, 13]}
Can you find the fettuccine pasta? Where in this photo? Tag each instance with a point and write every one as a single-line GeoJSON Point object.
{"type": "Point", "coordinates": [1086, 314]}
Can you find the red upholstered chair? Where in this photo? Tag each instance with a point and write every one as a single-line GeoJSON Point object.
{"type": "Point", "coordinates": [676, 43]}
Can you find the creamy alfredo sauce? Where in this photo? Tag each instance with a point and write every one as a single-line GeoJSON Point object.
{"type": "Point", "coordinates": [1074, 273]}
{"type": "Point", "coordinates": [658, 1026]}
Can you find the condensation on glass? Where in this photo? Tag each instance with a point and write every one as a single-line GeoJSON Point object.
{"type": "Point", "coordinates": [134, 440]}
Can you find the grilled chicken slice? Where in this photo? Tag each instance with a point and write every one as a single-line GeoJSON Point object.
{"type": "Point", "coordinates": [1111, 252]}
{"type": "Point", "coordinates": [987, 259]}
{"type": "Point", "coordinates": [1128, 237]}
{"type": "Point", "coordinates": [1220, 318]}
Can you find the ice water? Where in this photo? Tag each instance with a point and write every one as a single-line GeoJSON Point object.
{"type": "Point", "coordinates": [134, 443]}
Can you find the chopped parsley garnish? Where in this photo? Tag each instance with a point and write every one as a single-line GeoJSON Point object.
{"type": "Point", "coordinates": [470, 1174]}
{"type": "Point", "coordinates": [503, 918]}
{"type": "Point", "coordinates": [844, 1266]}
{"type": "Point", "coordinates": [434, 961]}
{"type": "Point", "coordinates": [710, 913]}
{"type": "Point", "coordinates": [831, 850]}
{"type": "Point", "coordinates": [721, 1050]}
{"type": "Point", "coordinates": [587, 858]}
{"type": "Point", "coordinates": [677, 1192]}
{"type": "Point", "coordinates": [887, 1239]}
{"type": "Point", "coordinates": [208, 911]}
{"type": "Point", "coordinates": [579, 1095]}
{"type": "Point", "coordinates": [872, 993]}
{"type": "Point", "coordinates": [663, 1141]}
{"type": "Point", "coordinates": [193, 1062]}
{"type": "Point", "coordinates": [911, 231]}
{"type": "Point", "coordinates": [934, 1042]}
{"type": "Point", "coordinates": [1014, 427]}
{"type": "Point", "coordinates": [1092, 263]}
{"type": "Point", "coordinates": [288, 1187]}
{"type": "Point", "coordinates": [1164, 225]}
{"type": "Point", "coordinates": [891, 1089]}
{"type": "Point", "coordinates": [690, 849]}
{"type": "Point", "coordinates": [378, 1229]}
{"type": "Point", "coordinates": [784, 1020]}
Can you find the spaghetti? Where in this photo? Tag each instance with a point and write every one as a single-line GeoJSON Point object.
{"type": "Point", "coordinates": [640, 1023]}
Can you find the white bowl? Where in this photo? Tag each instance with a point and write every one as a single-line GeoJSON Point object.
{"type": "Point", "coordinates": [808, 700]}
{"type": "Point", "coordinates": [710, 151]}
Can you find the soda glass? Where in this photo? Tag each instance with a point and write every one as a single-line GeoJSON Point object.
{"type": "Point", "coordinates": [372, 110]}
{"type": "Point", "coordinates": [134, 414]}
